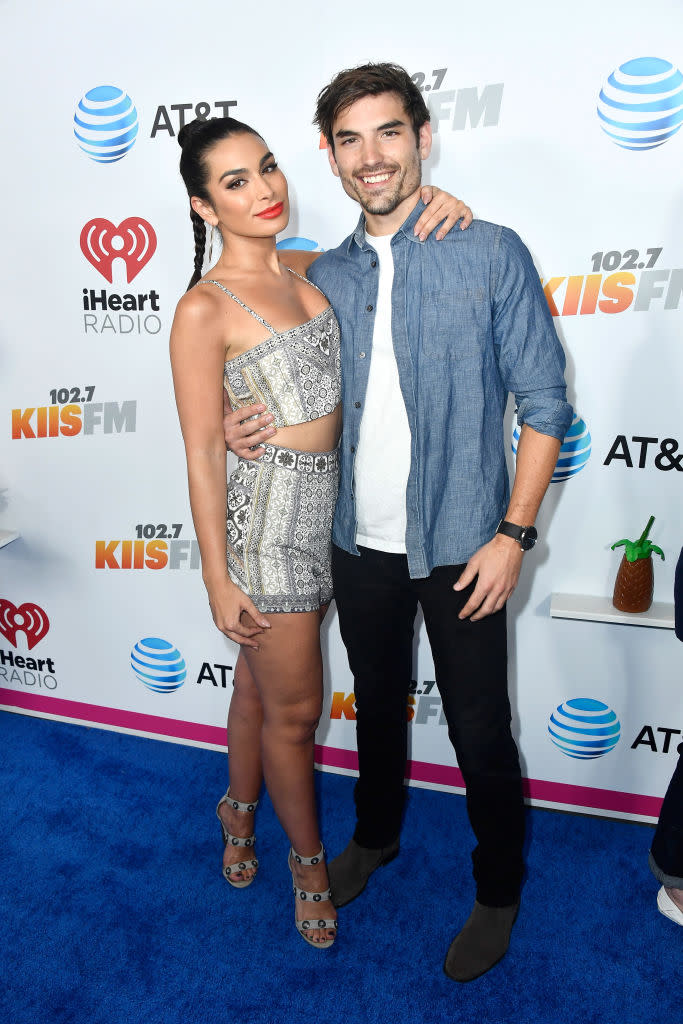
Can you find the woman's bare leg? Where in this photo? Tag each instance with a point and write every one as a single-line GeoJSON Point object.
{"type": "Point", "coordinates": [245, 720]}
{"type": "Point", "coordinates": [287, 672]}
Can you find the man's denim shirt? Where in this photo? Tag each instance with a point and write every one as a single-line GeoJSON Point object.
{"type": "Point", "coordinates": [470, 323]}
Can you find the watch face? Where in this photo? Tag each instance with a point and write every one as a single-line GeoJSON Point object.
{"type": "Point", "coordinates": [528, 538]}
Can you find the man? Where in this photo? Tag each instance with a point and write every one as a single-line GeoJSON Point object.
{"type": "Point", "coordinates": [434, 336]}
{"type": "Point", "coordinates": [666, 854]}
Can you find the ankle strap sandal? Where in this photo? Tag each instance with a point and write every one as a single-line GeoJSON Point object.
{"type": "Point", "coordinates": [230, 870]}
{"type": "Point", "coordinates": [311, 897]}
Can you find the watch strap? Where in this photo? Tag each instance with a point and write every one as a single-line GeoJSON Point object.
{"type": "Point", "coordinates": [510, 530]}
{"type": "Point", "coordinates": [524, 535]}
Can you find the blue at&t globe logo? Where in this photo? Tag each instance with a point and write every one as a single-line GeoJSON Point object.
{"type": "Point", "coordinates": [584, 728]}
{"type": "Point", "coordinates": [158, 664]}
{"type": "Point", "coordinates": [641, 104]}
{"type": "Point", "coordinates": [297, 242]}
{"type": "Point", "coordinates": [574, 453]}
{"type": "Point", "coordinates": [106, 124]}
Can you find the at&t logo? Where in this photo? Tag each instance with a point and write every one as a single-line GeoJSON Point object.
{"type": "Point", "coordinates": [296, 242]}
{"type": "Point", "coordinates": [646, 738]}
{"type": "Point", "coordinates": [20, 669]}
{"type": "Point", "coordinates": [158, 664]}
{"type": "Point", "coordinates": [182, 113]}
{"type": "Point", "coordinates": [106, 124]}
{"type": "Point", "coordinates": [664, 453]}
{"type": "Point", "coordinates": [574, 453]}
{"type": "Point", "coordinates": [584, 728]}
{"type": "Point", "coordinates": [641, 103]}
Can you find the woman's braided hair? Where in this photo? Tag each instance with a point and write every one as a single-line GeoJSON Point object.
{"type": "Point", "coordinates": [196, 139]}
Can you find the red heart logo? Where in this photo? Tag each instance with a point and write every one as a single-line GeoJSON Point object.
{"type": "Point", "coordinates": [134, 241]}
{"type": "Point", "coordinates": [28, 619]}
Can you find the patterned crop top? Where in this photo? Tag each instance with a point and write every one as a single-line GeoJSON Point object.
{"type": "Point", "coordinates": [295, 374]}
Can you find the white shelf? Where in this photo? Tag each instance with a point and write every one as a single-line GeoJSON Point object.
{"type": "Point", "coordinates": [7, 536]}
{"type": "Point", "coordinates": [600, 609]}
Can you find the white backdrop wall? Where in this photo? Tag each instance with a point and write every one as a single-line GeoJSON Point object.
{"type": "Point", "coordinates": [92, 472]}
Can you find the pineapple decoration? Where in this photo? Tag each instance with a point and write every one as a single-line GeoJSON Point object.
{"type": "Point", "coordinates": [635, 580]}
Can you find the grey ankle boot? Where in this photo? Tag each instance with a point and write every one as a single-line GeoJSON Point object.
{"type": "Point", "coordinates": [350, 871]}
{"type": "Point", "coordinates": [482, 942]}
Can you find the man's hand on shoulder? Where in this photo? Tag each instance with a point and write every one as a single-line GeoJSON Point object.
{"type": "Point", "coordinates": [496, 567]}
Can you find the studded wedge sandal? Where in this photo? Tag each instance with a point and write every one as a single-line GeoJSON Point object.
{"type": "Point", "coordinates": [311, 897]}
{"type": "Point", "coordinates": [230, 870]}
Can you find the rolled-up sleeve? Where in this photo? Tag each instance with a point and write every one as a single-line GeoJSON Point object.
{"type": "Point", "coordinates": [530, 357]}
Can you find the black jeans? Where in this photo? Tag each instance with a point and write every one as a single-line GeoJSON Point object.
{"type": "Point", "coordinates": [666, 855]}
{"type": "Point", "coordinates": [377, 603]}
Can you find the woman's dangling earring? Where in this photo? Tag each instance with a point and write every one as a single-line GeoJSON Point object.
{"type": "Point", "coordinates": [211, 243]}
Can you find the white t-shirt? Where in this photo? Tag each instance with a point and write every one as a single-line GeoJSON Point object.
{"type": "Point", "coordinates": [383, 452]}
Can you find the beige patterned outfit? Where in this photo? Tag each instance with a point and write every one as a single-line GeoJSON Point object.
{"type": "Point", "coordinates": [281, 507]}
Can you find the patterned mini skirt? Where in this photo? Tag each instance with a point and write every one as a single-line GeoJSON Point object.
{"type": "Point", "coordinates": [279, 524]}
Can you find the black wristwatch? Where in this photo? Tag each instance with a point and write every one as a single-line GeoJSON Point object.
{"type": "Point", "coordinates": [526, 536]}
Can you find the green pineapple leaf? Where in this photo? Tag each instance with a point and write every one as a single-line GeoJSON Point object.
{"type": "Point", "coordinates": [630, 548]}
{"type": "Point", "coordinates": [641, 548]}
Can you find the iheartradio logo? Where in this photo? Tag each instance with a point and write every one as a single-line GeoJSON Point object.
{"type": "Point", "coordinates": [134, 241]}
{"type": "Point", "coordinates": [28, 618]}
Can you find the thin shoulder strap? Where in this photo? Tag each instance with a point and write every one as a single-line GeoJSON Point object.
{"type": "Point", "coordinates": [302, 278]}
{"type": "Point", "coordinates": [239, 303]}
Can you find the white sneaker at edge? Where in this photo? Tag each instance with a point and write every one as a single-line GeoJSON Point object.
{"type": "Point", "coordinates": [667, 907]}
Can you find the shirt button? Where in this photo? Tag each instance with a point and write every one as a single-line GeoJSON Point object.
{"type": "Point", "coordinates": [374, 263]}
{"type": "Point", "coordinates": [353, 447]}
{"type": "Point", "coordinates": [369, 308]}
{"type": "Point", "coordinates": [361, 355]}
{"type": "Point", "coordinates": [357, 405]}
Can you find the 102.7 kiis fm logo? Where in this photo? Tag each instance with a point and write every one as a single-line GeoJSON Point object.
{"type": "Point", "coordinates": [127, 248]}
{"type": "Point", "coordinates": [456, 110]}
{"type": "Point", "coordinates": [617, 281]}
{"type": "Point", "coordinates": [423, 707]}
{"type": "Point", "coordinates": [154, 546]}
{"type": "Point", "coordinates": [72, 411]}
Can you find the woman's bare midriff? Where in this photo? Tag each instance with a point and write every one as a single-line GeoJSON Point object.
{"type": "Point", "coordinates": [321, 435]}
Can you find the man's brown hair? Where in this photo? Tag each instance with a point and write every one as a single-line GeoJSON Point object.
{"type": "Point", "coordinates": [369, 80]}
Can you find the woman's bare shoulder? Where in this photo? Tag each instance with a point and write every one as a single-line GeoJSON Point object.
{"type": "Point", "coordinates": [199, 321]}
{"type": "Point", "coordinates": [199, 306]}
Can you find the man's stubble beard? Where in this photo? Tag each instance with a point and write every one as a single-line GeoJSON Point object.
{"type": "Point", "coordinates": [407, 184]}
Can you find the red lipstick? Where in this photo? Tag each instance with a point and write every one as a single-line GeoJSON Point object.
{"type": "Point", "coordinates": [271, 212]}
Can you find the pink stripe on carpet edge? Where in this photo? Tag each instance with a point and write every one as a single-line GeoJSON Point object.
{"type": "Point", "coordinates": [333, 757]}
{"type": "Point", "coordinates": [98, 715]}
{"type": "Point", "coordinates": [585, 796]}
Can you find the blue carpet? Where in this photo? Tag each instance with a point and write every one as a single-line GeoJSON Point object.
{"type": "Point", "coordinates": [113, 908]}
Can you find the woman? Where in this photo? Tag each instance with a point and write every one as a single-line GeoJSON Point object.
{"type": "Point", "coordinates": [272, 592]}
